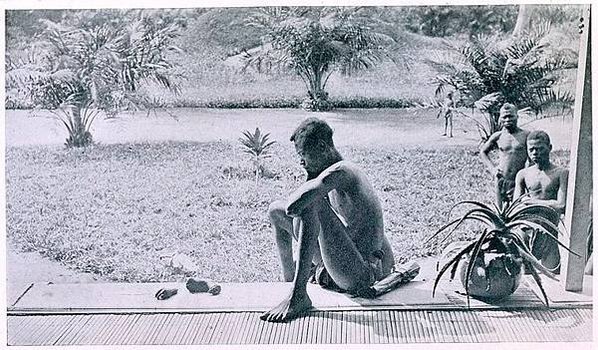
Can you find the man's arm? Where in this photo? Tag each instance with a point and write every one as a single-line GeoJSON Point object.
{"type": "Point", "coordinates": [337, 175]}
{"type": "Point", "coordinates": [485, 150]}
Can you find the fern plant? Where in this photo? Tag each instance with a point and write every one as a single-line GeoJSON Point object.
{"type": "Point", "coordinates": [489, 72]}
{"type": "Point", "coordinates": [503, 239]}
{"type": "Point", "coordinates": [258, 146]}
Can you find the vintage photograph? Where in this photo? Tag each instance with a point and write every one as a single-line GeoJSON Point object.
{"type": "Point", "coordinates": [299, 175]}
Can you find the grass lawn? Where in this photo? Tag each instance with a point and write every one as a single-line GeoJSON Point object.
{"type": "Point", "coordinates": [113, 209]}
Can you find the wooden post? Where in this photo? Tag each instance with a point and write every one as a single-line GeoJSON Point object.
{"type": "Point", "coordinates": [578, 214]}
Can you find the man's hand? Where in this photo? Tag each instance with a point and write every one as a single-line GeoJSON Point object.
{"type": "Point", "coordinates": [497, 172]}
{"type": "Point", "coordinates": [288, 309]}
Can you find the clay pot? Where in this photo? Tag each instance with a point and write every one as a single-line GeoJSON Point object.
{"type": "Point", "coordinates": [495, 275]}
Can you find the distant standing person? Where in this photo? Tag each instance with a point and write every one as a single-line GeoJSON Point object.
{"type": "Point", "coordinates": [447, 110]}
{"type": "Point", "coordinates": [512, 153]}
{"type": "Point", "coordinates": [546, 184]}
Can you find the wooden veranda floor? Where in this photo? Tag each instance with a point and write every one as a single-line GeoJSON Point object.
{"type": "Point", "coordinates": [318, 327]}
{"type": "Point", "coordinates": [128, 314]}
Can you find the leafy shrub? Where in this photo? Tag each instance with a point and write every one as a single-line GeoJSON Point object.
{"type": "Point", "coordinates": [491, 72]}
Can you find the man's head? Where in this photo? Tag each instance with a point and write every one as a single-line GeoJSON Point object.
{"type": "Point", "coordinates": [539, 147]}
{"type": "Point", "coordinates": [508, 116]}
{"type": "Point", "coordinates": [313, 143]}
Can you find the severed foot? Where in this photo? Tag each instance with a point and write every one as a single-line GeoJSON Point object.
{"type": "Point", "coordinates": [288, 310]}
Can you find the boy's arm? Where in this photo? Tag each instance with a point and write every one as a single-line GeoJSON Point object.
{"type": "Point", "coordinates": [485, 149]}
{"type": "Point", "coordinates": [335, 176]}
{"type": "Point", "coordinates": [520, 186]}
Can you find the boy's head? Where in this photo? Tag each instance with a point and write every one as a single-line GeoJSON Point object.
{"type": "Point", "coordinates": [539, 147]}
{"type": "Point", "coordinates": [313, 143]}
{"type": "Point", "coordinates": [508, 116]}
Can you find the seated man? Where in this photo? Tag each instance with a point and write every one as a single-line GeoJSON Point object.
{"type": "Point", "coordinates": [512, 156]}
{"type": "Point", "coordinates": [546, 184]}
{"type": "Point", "coordinates": [336, 218]}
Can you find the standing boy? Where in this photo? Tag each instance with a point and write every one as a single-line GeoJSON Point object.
{"type": "Point", "coordinates": [512, 153]}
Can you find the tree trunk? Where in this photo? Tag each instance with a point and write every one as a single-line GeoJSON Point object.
{"type": "Point", "coordinates": [318, 98]}
{"type": "Point", "coordinates": [523, 20]}
{"type": "Point", "coordinates": [78, 136]}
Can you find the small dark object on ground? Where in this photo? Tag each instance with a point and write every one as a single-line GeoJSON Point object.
{"type": "Point", "coordinates": [215, 289]}
{"type": "Point", "coordinates": [164, 293]}
{"type": "Point", "coordinates": [197, 286]}
{"type": "Point", "coordinates": [201, 286]}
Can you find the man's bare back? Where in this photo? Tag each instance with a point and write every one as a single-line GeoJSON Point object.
{"type": "Point", "coordinates": [336, 218]}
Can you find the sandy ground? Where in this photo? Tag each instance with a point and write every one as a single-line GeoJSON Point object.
{"type": "Point", "coordinates": [400, 128]}
{"type": "Point", "coordinates": [25, 268]}
{"type": "Point", "coordinates": [394, 128]}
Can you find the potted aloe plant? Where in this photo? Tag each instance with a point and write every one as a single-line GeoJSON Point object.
{"type": "Point", "coordinates": [492, 264]}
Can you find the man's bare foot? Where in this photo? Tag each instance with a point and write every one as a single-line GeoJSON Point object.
{"type": "Point", "coordinates": [289, 309]}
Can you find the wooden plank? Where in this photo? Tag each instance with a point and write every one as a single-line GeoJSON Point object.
{"type": "Point", "coordinates": [362, 328]}
{"type": "Point", "coordinates": [577, 213]}
{"type": "Point", "coordinates": [130, 327]}
{"type": "Point", "coordinates": [79, 322]}
{"type": "Point", "coordinates": [192, 329]}
{"type": "Point", "coordinates": [41, 326]}
{"type": "Point", "coordinates": [138, 297]}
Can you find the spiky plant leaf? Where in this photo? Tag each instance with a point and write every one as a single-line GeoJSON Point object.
{"type": "Point", "coordinates": [528, 256]}
{"type": "Point", "coordinates": [474, 255]}
{"type": "Point", "coordinates": [533, 225]}
{"type": "Point", "coordinates": [538, 280]}
{"type": "Point", "coordinates": [453, 261]}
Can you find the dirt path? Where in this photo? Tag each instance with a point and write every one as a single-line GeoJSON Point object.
{"type": "Point", "coordinates": [357, 127]}
{"type": "Point", "coordinates": [25, 268]}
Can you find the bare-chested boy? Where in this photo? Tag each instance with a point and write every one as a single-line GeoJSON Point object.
{"type": "Point", "coordinates": [336, 218]}
{"type": "Point", "coordinates": [546, 184]}
{"type": "Point", "coordinates": [512, 153]}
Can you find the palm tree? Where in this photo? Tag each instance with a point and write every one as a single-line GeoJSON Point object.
{"type": "Point", "coordinates": [490, 72]}
{"type": "Point", "coordinates": [314, 42]}
{"type": "Point", "coordinates": [87, 68]}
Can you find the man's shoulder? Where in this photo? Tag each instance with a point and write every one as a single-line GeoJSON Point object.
{"type": "Point", "coordinates": [528, 171]}
{"type": "Point", "coordinates": [523, 132]}
{"type": "Point", "coordinates": [343, 166]}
